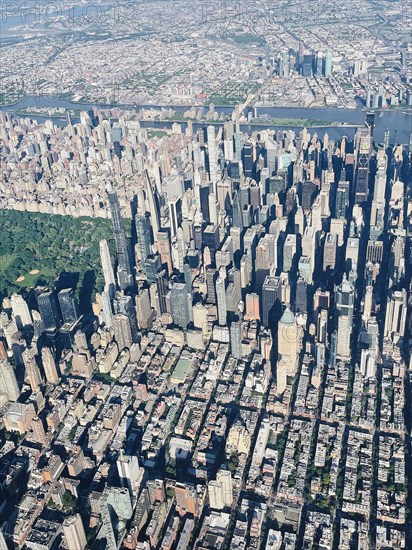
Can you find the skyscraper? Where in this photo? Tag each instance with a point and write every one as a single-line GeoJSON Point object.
{"type": "Point", "coordinates": [270, 295]}
{"type": "Point", "coordinates": [327, 68]}
{"type": "Point", "coordinates": [288, 349]}
{"type": "Point", "coordinates": [108, 274]}
{"type": "Point", "coordinates": [175, 214]}
{"type": "Point", "coordinates": [236, 339]}
{"type": "Point", "coordinates": [344, 336]}
{"type": "Point", "coordinates": [49, 366]}
{"type": "Point", "coordinates": [221, 490]}
{"type": "Point", "coordinates": [68, 305]}
{"type": "Point", "coordinates": [32, 372]}
{"type": "Point", "coordinates": [74, 533]}
{"type": "Point", "coordinates": [144, 239]}
{"type": "Point", "coordinates": [252, 307]}
{"type": "Point", "coordinates": [221, 300]}
{"type": "Point", "coordinates": [21, 311]}
{"type": "Point", "coordinates": [143, 308]}
{"type": "Point", "coordinates": [46, 302]}
{"type": "Point", "coordinates": [204, 191]}
{"type": "Point", "coordinates": [124, 270]}
{"type": "Point", "coordinates": [130, 473]}
{"type": "Point", "coordinates": [163, 247]}
{"type": "Point", "coordinates": [180, 304]}
{"type": "Point", "coordinates": [396, 310]}
{"type": "Point", "coordinates": [363, 153]}
{"type": "Point", "coordinates": [151, 196]}
{"type": "Point", "coordinates": [107, 312]}
{"type": "Point", "coordinates": [125, 305]}
{"type": "Point", "coordinates": [211, 277]}
{"type": "Point", "coordinates": [122, 331]}
{"type": "Point", "coordinates": [212, 153]}
{"type": "Point", "coordinates": [8, 381]}
{"type": "Point", "coordinates": [288, 341]}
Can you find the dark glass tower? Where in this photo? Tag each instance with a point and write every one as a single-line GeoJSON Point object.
{"type": "Point", "coordinates": [270, 295]}
{"type": "Point", "coordinates": [237, 212]}
{"type": "Point", "coordinates": [68, 305]}
{"type": "Point", "coordinates": [46, 302]}
{"type": "Point", "coordinates": [180, 304]}
{"type": "Point", "coordinates": [143, 230]}
{"type": "Point", "coordinates": [124, 271]}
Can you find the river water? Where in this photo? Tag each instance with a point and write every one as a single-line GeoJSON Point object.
{"type": "Point", "coordinates": [398, 122]}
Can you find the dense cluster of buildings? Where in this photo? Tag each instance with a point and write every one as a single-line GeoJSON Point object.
{"type": "Point", "coordinates": [242, 378]}
{"type": "Point", "coordinates": [292, 54]}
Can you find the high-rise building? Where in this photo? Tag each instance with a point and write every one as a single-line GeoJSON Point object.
{"type": "Point", "coordinates": [236, 339]}
{"type": "Point", "coordinates": [211, 237]}
{"type": "Point", "coordinates": [237, 218]}
{"type": "Point", "coordinates": [130, 473]}
{"type": "Point", "coordinates": [21, 311]}
{"type": "Point", "coordinates": [221, 491]}
{"type": "Point", "coordinates": [180, 304]}
{"type": "Point", "coordinates": [342, 199]}
{"type": "Point", "coordinates": [46, 302]}
{"type": "Point", "coordinates": [307, 65]}
{"type": "Point", "coordinates": [152, 199]}
{"type": "Point", "coordinates": [252, 307]}
{"type": "Point", "coordinates": [221, 300]}
{"type": "Point", "coordinates": [344, 336]}
{"type": "Point", "coordinates": [322, 326]}
{"type": "Point", "coordinates": [379, 191]}
{"type": "Point", "coordinates": [344, 299]}
{"type": "Point", "coordinates": [49, 366]}
{"type": "Point", "coordinates": [107, 311]}
{"type": "Point", "coordinates": [288, 335]}
{"type": "Point", "coordinates": [363, 153]}
{"type": "Point", "coordinates": [175, 214]}
{"type": "Point", "coordinates": [270, 296]}
{"type": "Point", "coordinates": [211, 278]}
{"type": "Point", "coordinates": [122, 331]}
{"type": "Point", "coordinates": [327, 68]}
{"type": "Point", "coordinates": [163, 247]}
{"type": "Point", "coordinates": [216, 499]}
{"type": "Point", "coordinates": [144, 309]}
{"type": "Point", "coordinates": [224, 477]}
{"type": "Point", "coordinates": [37, 433]}
{"type": "Point", "coordinates": [74, 534]}
{"type": "Point", "coordinates": [396, 311]}
{"type": "Point", "coordinates": [367, 364]}
{"type": "Point", "coordinates": [3, 543]}
{"type": "Point", "coordinates": [107, 268]}
{"type": "Point", "coordinates": [32, 372]}
{"type": "Point", "coordinates": [329, 251]}
{"type": "Point", "coordinates": [8, 381]}
{"type": "Point", "coordinates": [144, 237]}
{"type": "Point", "coordinates": [162, 284]}
{"type": "Point", "coordinates": [290, 251]}
{"type": "Point", "coordinates": [301, 298]}
{"type": "Point", "coordinates": [124, 270]}
{"type": "Point", "coordinates": [125, 305]}
{"type": "Point", "coordinates": [213, 153]}
{"type": "Point", "coordinates": [68, 305]}
{"type": "Point", "coordinates": [204, 191]}
{"type": "Point", "coordinates": [116, 509]}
